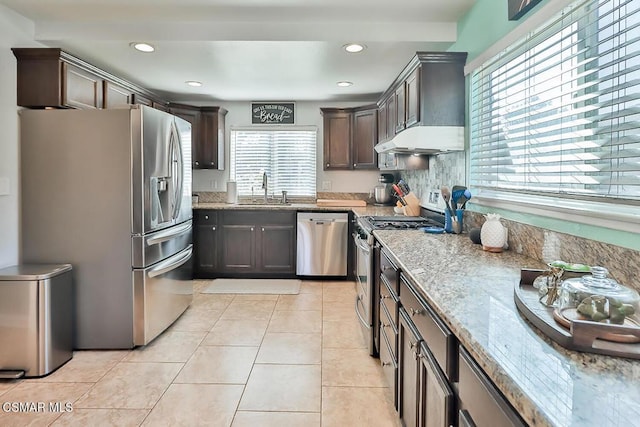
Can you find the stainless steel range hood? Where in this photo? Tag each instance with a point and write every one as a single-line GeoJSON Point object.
{"type": "Point", "coordinates": [425, 140]}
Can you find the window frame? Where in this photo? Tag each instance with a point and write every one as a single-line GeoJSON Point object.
{"type": "Point", "coordinates": [614, 213]}
{"type": "Point", "coordinates": [267, 129]}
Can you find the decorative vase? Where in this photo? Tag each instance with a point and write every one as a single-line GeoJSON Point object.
{"type": "Point", "coordinates": [492, 234]}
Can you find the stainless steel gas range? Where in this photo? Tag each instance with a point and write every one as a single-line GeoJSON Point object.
{"type": "Point", "coordinates": [366, 257]}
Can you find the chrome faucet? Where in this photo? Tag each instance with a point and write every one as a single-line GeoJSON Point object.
{"type": "Point", "coordinates": [264, 185]}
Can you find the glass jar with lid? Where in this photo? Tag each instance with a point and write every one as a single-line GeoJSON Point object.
{"type": "Point", "coordinates": [599, 298]}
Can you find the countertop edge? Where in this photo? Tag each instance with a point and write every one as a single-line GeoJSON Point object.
{"type": "Point", "coordinates": [472, 291]}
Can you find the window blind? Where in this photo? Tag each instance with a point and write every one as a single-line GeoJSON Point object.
{"type": "Point", "coordinates": [288, 156]}
{"type": "Point", "coordinates": [559, 113]}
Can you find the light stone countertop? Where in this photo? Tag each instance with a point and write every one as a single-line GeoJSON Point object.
{"type": "Point", "coordinates": [472, 291]}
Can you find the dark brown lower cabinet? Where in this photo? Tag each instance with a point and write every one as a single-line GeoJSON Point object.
{"type": "Point", "coordinates": [389, 365]}
{"type": "Point", "coordinates": [205, 241]}
{"type": "Point", "coordinates": [277, 248]}
{"type": "Point", "coordinates": [260, 243]}
{"type": "Point", "coordinates": [430, 360]}
{"type": "Point", "coordinates": [238, 249]}
{"type": "Point", "coordinates": [408, 349]}
{"type": "Point", "coordinates": [480, 403]}
{"type": "Point", "coordinates": [437, 401]}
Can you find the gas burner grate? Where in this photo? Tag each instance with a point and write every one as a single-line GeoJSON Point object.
{"type": "Point", "coordinates": [400, 223]}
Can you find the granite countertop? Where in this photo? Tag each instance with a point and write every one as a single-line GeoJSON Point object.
{"type": "Point", "coordinates": [472, 291]}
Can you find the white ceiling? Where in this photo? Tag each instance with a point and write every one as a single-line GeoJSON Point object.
{"type": "Point", "coordinates": [248, 49]}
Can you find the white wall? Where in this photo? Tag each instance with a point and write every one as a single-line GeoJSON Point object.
{"type": "Point", "coordinates": [15, 31]}
{"type": "Point", "coordinates": [306, 114]}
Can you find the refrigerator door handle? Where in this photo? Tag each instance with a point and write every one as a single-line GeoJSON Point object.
{"type": "Point", "coordinates": [169, 234]}
{"type": "Point", "coordinates": [177, 169]}
{"type": "Point", "coordinates": [171, 263]}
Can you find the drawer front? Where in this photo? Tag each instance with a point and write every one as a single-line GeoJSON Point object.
{"type": "Point", "coordinates": [441, 342]}
{"type": "Point", "coordinates": [390, 330]}
{"type": "Point", "coordinates": [389, 366]}
{"type": "Point", "coordinates": [389, 301]}
{"type": "Point", "coordinates": [253, 217]}
{"type": "Point", "coordinates": [205, 217]}
{"type": "Point", "coordinates": [389, 270]}
{"type": "Point", "coordinates": [480, 401]}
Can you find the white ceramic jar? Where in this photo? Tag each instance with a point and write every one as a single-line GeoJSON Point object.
{"type": "Point", "coordinates": [493, 233]}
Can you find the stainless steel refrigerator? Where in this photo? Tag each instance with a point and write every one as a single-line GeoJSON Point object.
{"type": "Point", "coordinates": [109, 191]}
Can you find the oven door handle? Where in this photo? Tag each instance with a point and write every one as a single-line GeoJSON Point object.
{"type": "Point", "coordinates": [364, 247]}
{"type": "Point", "coordinates": [364, 323]}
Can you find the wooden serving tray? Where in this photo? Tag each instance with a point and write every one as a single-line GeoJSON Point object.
{"type": "Point", "coordinates": [582, 335]}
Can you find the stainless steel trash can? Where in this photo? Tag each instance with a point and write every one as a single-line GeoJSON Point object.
{"type": "Point", "coordinates": [36, 319]}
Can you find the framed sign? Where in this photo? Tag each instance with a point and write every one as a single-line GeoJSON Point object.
{"type": "Point", "coordinates": [281, 113]}
{"type": "Point", "coordinates": [517, 8]}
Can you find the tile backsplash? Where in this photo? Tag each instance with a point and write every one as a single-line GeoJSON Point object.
{"type": "Point", "coordinates": [547, 246]}
{"type": "Point", "coordinates": [444, 169]}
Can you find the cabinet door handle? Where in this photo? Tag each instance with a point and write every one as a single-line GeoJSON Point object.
{"type": "Point", "coordinates": [385, 325]}
{"type": "Point", "coordinates": [385, 268]}
{"type": "Point", "coordinates": [412, 344]}
{"type": "Point", "coordinates": [197, 163]}
{"type": "Point", "coordinates": [385, 296]}
{"type": "Point", "coordinates": [386, 364]}
{"type": "Point", "coordinates": [213, 228]}
{"type": "Point", "coordinates": [211, 163]}
{"type": "Point", "coordinates": [327, 164]}
{"type": "Point", "coordinates": [206, 217]}
{"type": "Point", "coordinates": [262, 229]}
{"type": "Point", "coordinates": [251, 228]}
{"type": "Point", "coordinates": [354, 165]}
{"type": "Point", "coordinates": [414, 312]}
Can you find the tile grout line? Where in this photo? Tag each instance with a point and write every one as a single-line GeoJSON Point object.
{"type": "Point", "coordinates": [244, 388]}
{"type": "Point", "coordinates": [183, 365]}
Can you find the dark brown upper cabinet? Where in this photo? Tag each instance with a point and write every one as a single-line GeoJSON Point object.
{"type": "Point", "coordinates": [337, 131]}
{"type": "Point", "coordinates": [211, 144]}
{"type": "Point", "coordinates": [365, 136]}
{"type": "Point", "coordinates": [430, 91]}
{"type": "Point", "coordinates": [400, 108]}
{"type": "Point", "coordinates": [382, 121]}
{"type": "Point", "coordinates": [207, 134]}
{"type": "Point", "coordinates": [412, 98]}
{"type": "Point", "coordinates": [349, 137]}
{"type": "Point", "coordinates": [389, 117]}
{"type": "Point", "coordinates": [141, 100]}
{"type": "Point", "coordinates": [50, 77]}
{"type": "Point", "coordinates": [115, 95]}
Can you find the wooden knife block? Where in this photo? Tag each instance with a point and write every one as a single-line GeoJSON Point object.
{"type": "Point", "coordinates": [413, 205]}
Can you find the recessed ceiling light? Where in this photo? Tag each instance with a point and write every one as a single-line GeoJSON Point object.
{"type": "Point", "coordinates": [344, 84]}
{"type": "Point", "coordinates": [193, 83]}
{"type": "Point", "coordinates": [354, 47]}
{"type": "Point", "coordinates": [142, 47]}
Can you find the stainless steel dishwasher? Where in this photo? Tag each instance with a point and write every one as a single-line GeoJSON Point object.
{"type": "Point", "coordinates": [322, 244]}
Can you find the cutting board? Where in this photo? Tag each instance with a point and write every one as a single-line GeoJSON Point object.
{"type": "Point", "coordinates": [338, 202]}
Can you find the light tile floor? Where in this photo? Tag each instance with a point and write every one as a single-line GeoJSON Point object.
{"type": "Point", "coordinates": [230, 360]}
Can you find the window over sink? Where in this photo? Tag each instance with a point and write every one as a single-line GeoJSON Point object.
{"type": "Point", "coordinates": [555, 118]}
{"type": "Point", "coordinates": [287, 154]}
